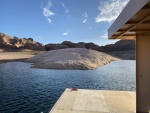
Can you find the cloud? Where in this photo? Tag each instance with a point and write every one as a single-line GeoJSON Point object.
{"type": "Point", "coordinates": [47, 11]}
{"type": "Point", "coordinates": [84, 21]}
{"type": "Point", "coordinates": [110, 9]}
{"type": "Point", "coordinates": [85, 15]}
{"type": "Point", "coordinates": [49, 20]}
{"type": "Point", "coordinates": [105, 35]}
{"type": "Point", "coordinates": [66, 9]}
{"type": "Point", "coordinates": [65, 33]}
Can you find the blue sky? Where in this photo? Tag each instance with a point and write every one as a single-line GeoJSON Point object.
{"type": "Point", "coordinates": [55, 21]}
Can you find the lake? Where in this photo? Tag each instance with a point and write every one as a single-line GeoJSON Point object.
{"type": "Point", "coordinates": [29, 90]}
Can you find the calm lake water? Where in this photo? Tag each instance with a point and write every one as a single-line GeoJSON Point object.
{"type": "Point", "coordinates": [28, 90]}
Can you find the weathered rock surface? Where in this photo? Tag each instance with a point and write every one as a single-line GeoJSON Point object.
{"type": "Point", "coordinates": [71, 58]}
{"type": "Point", "coordinates": [13, 43]}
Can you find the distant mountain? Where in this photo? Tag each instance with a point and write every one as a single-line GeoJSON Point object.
{"type": "Point", "coordinates": [122, 45]}
{"type": "Point", "coordinates": [9, 43]}
{"type": "Point", "coordinates": [124, 49]}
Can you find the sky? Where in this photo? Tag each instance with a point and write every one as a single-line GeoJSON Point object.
{"type": "Point", "coordinates": [55, 21]}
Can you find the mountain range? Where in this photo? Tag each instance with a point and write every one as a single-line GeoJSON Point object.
{"type": "Point", "coordinates": [124, 49]}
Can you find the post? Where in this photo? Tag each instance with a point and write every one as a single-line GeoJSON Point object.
{"type": "Point", "coordinates": [143, 73]}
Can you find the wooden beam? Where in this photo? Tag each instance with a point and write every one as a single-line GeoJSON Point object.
{"type": "Point", "coordinates": [134, 26]}
{"type": "Point", "coordinates": [135, 30]}
{"type": "Point", "coordinates": [146, 7]}
{"type": "Point", "coordinates": [135, 22]}
{"type": "Point", "coordinates": [124, 35]}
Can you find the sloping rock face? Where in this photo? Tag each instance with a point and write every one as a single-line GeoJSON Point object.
{"type": "Point", "coordinates": [71, 58]}
{"type": "Point", "coordinates": [122, 45]}
{"type": "Point", "coordinates": [126, 55]}
{"type": "Point", "coordinates": [12, 43]}
{"type": "Point", "coordinates": [124, 49]}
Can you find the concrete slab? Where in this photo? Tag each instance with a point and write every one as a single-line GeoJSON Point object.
{"type": "Point", "coordinates": [95, 101]}
{"type": "Point", "coordinates": [120, 102]}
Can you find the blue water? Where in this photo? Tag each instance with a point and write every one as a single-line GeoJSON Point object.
{"type": "Point", "coordinates": [28, 90]}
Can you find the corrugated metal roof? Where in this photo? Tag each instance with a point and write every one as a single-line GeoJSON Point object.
{"type": "Point", "coordinates": [133, 20]}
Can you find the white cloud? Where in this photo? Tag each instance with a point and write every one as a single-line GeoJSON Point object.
{"type": "Point", "coordinates": [105, 35]}
{"type": "Point", "coordinates": [49, 20]}
{"type": "Point", "coordinates": [85, 15]}
{"type": "Point", "coordinates": [65, 33]}
{"type": "Point", "coordinates": [47, 11]}
{"type": "Point", "coordinates": [66, 9]}
{"type": "Point", "coordinates": [84, 21]}
{"type": "Point", "coordinates": [110, 9]}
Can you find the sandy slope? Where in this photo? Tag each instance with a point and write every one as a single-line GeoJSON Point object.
{"type": "Point", "coordinates": [13, 56]}
{"type": "Point", "coordinates": [71, 58]}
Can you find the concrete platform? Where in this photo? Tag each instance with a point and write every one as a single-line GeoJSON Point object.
{"type": "Point", "coordinates": [95, 101]}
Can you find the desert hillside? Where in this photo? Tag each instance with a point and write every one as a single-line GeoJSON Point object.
{"type": "Point", "coordinates": [71, 58]}
{"type": "Point", "coordinates": [8, 43]}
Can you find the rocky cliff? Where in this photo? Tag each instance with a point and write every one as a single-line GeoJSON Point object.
{"type": "Point", "coordinates": [14, 43]}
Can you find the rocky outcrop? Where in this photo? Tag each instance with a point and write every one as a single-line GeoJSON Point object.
{"type": "Point", "coordinates": [7, 42]}
{"type": "Point", "coordinates": [49, 47]}
{"type": "Point", "coordinates": [126, 55]}
{"type": "Point", "coordinates": [73, 45]}
{"type": "Point", "coordinates": [31, 44]}
{"type": "Point", "coordinates": [13, 43]}
{"type": "Point", "coordinates": [92, 46]}
{"type": "Point", "coordinates": [71, 58]}
{"type": "Point", "coordinates": [124, 49]}
{"type": "Point", "coordinates": [122, 45]}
